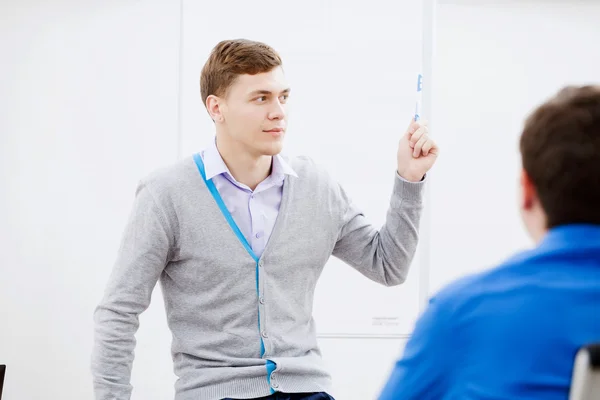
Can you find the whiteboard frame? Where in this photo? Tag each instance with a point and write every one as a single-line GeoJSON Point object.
{"type": "Point", "coordinates": [428, 47]}
{"type": "Point", "coordinates": [429, 20]}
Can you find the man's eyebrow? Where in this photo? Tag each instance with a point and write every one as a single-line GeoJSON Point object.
{"type": "Point", "coordinates": [268, 92]}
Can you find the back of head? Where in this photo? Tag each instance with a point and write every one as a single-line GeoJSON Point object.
{"type": "Point", "coordinates": [560, 149]}
{"type": "Point", "coordinates": [231, 58]}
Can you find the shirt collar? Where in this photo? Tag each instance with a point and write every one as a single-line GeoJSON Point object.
{"type": "Point", "coordinates": [214, 164]}
{"type": "Point", "coordinates": [281, 167]}
{"type": "Point", "coordinates": [579, 235]}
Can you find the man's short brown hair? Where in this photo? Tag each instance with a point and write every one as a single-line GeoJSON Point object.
{"type": "Point", "coordinates": [560, 149]}
{"type": "Point", "coordinates": [231, 58]}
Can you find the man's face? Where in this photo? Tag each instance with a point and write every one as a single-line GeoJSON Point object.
{"type": "Point", "coordinates": [254, 112]}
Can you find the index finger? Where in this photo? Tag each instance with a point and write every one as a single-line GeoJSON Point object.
{"type": "Point", "coordinates": [412, 127]}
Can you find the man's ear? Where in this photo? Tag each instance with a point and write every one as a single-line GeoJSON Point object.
{"type": "Point", "coordinates": [213, 106]}
{"type": "Point", "coordinates": [528, 192]}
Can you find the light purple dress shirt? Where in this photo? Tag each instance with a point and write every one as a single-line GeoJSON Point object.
{"type": "Point", "coordinates": [254, 212]}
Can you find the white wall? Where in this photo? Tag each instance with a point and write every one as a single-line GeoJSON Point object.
{"type": "Point", "coordinates": [89, 104]}
{"type": "Point", "coordinates": [88, 98]}
{"type": "Point", "coordinates": [495, 61]}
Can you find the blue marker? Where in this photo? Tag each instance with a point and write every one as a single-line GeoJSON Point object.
{"type": "Point", "coordinates": [419, 97]}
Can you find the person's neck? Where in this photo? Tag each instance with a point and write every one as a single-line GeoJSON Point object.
{"type": "Point", "coordinates": [539, 234]}
{"type": "Point", "coordinates": [246, 168]}
{"type": "Point", "coordinates": [537, 224]}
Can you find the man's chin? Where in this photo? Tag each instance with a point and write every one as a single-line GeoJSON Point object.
{"type": "Point", "coordinates": [272, 149]}
{"type": "Point", "coordinates": [272, 152]}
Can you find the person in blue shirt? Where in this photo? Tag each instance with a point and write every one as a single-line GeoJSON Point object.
{"type": "Point", "coordinates": [512, 332]}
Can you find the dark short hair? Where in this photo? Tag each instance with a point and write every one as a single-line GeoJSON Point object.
{"type": "Point", "coordinates": [560, 150]}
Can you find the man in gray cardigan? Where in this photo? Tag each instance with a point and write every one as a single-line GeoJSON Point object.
{"type": "Point", "coordinates": [238, 236]}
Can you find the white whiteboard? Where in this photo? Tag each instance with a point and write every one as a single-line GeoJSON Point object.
{"type": "Point", "coordinates": [487, 79]}
{"type": "Point", "coordinates": [353, 69]}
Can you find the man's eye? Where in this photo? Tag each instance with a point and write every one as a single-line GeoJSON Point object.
{"type": "Point", "coordinates": [262, 99]}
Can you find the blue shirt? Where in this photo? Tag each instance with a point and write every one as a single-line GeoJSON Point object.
{"type": "Point", "coordinates": [508, 333]}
